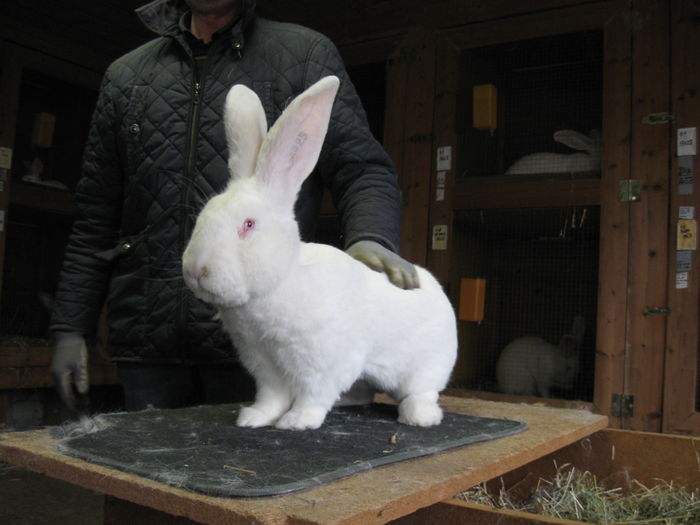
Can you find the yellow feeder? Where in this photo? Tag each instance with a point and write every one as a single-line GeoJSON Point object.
{"type": "Point", "coordinates": [472, 295]}
{"type": "Point", "coordinates": [485, 107]}
{"type": "Point", "coordinates": [42, 131]}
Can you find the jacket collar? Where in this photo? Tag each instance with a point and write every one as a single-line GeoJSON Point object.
{"type": "Point", "coordinates": [163, 17]}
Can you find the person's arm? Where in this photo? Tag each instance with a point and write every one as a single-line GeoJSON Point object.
{"type": "Point", "coordinates": [84, 276]}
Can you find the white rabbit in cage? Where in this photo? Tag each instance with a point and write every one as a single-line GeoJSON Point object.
{"type": "Point", "coordinates": [586, 159]}
{"type": "Point", "coordinates": [529, 365]}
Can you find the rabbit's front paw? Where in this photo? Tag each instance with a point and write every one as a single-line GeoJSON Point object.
{"type": "Point", "coordinates": [254, 418]}
{"type": "Point", "coordinates": [420, 412]}
{"type": "Point", "coordinates": [302, 419]}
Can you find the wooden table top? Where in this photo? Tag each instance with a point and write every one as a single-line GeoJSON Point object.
{"type": "Point", "coordinates": [373, 497]}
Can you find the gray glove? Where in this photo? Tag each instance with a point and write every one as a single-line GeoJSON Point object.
{"type": "Point", "coordinates": [400, 272]}
{"type": "Point", "coordinates": [69, 367]}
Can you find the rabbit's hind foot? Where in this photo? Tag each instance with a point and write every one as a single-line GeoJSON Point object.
{"type": "Point", "coordinates": [421, 410]}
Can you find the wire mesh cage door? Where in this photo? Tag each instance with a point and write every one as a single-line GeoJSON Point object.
{"type": "Point", "coordinates": [546, 98]}
{"type": "Point", "coordinates": [539, 261]}
{"type": "Point", "coordinates": [540, 267]}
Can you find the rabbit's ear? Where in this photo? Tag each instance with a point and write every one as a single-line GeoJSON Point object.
{"type": "Point", "coordinates": [246, 127]}
{"type": "Point", "coordinates": [292, 147]}
{"type": "Point", "coordinates": [574, 139]}
{"type": "Point", "coordinates": [578, 329]}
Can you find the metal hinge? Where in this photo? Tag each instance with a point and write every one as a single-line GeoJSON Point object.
{"type": "Point", "coordinates": [658, 118]}
{"type": "Point", "coordinates": [630, 190]}
{"type": "Point", "coordinates": [622, 405]}
{"type": "Point", "coordinates": [656, 310]}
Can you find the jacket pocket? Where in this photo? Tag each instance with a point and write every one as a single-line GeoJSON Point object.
{"type": "Point", "coordinates": [126, 299]}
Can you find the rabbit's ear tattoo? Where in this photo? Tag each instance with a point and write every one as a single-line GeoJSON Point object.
{"type": "Point", "coordinates": [293, 145]}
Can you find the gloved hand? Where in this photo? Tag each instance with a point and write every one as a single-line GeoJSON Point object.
{"type": "Point", "coordinates": [69, 367]}
{"type": "Point", "coordinates": [400, 272]}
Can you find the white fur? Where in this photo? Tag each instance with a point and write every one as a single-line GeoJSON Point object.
{"type": "Point", "coordinates": [530, 365]}
{"type": "Point", "coordinates": [588, 160]}
{"type": "Point", "coordinates": [309, 320]}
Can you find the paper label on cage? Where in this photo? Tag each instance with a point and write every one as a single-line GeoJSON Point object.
{"type": "Point", "coordinates": [5, 158]}
{"type": "Point", "coordinates": [686, 212]}
{"type": "Point", "coordinates": [687, 144]}
{"type": "Point", "coordinates": [686, 177]}
{"type": "Point", "coordinates": [444, 158]}
{"type": "Point", "coordinates": [681, 280]}
{"type": "Point", "coordinates": [440, 186]}
{"type": "Point", "coordinates": [439, 237]}
{"type": "Point", "coordinates": [686, 234]}
{"type": "Point", "coordinates": [684, 260]}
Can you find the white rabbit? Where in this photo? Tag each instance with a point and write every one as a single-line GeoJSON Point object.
{"type": "Point", "coordinates": [530, 365]}
{"type": "Point", "coordinates": [308, 319]}
{"type": "Point", "coordinates": [563, 162]}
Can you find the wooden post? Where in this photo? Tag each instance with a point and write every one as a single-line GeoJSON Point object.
{"type": "Point", "coordinates": [614, 215]}
{"type": "Point", "coordinates": [411, 83]}
{"type": "Point", "coordinates": [648, 249]}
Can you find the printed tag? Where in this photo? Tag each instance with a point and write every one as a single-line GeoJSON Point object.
{"type": "Point", "coordinates": [686, 234]}
{"type": "Point", "coordinates": [684, 260]}
{"type": "Point", "coordinates": [686, 177]}
{"type": "Point", "coordinates": [440, 186]}
{"type": "Point", "coordinates": [5, 158]}
{"type": "Point", "coordinates": [686, 212]}
{"type": "Point", "coordinates": [681, 280]}
{"type": "Point", "coordinates": [687, 141]}
{"type": "Point", "coordinates": [439, 237]}
{"type": "Point", "coordinates": [444, 158]}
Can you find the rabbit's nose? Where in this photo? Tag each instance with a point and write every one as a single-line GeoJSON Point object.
{"type": "Point", "coordinates": [202, 272]}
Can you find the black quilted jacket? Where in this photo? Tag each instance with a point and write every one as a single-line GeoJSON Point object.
{"type": "Point", "coordinates": [156, 153]}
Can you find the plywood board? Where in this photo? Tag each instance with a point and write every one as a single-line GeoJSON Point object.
{"type": "Point", "coordinates": [374, 497]}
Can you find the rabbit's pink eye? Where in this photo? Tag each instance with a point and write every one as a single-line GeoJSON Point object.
{"type": "Point", "coordinates": [247, 225]}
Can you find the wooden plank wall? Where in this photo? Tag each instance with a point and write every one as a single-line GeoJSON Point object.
{"type": "Point", "coordinates": [683, 334]}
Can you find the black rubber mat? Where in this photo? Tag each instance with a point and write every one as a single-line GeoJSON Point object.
{"type": "Point", "coordinates": [202, 449]}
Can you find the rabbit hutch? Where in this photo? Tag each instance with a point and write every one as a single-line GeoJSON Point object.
{"type": "Point", "coordinates": [545, 152]}
{"type": "Point", "coordinates": [557, 193]}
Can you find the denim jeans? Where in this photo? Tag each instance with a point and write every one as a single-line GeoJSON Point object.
{"type": "Point", "coordinates": [176, 386]}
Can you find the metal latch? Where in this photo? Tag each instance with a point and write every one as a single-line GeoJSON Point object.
{"type": "Point", "coordinates": [622, 405]}
{"type": "Point", "coordinates": [656, 310]}
{"type": "Point", "coordinates": [630, 190]}
{"type": "Point", "coordinates": [658, 118]}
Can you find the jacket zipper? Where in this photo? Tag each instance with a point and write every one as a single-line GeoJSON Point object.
{"type": "Point", "coordinates": [198, 69]}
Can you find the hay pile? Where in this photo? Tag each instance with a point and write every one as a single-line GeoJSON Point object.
{"type": "Point", "coordinates": [577, 495]}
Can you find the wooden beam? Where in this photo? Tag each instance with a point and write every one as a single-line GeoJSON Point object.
{"type": "Point", "coordinates": [533, 194]}
{"type": "Point", "coordinates": [40, 377]}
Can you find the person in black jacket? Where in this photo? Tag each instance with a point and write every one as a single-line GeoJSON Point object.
{"type": "Point", "coordinates": [156, 153]}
